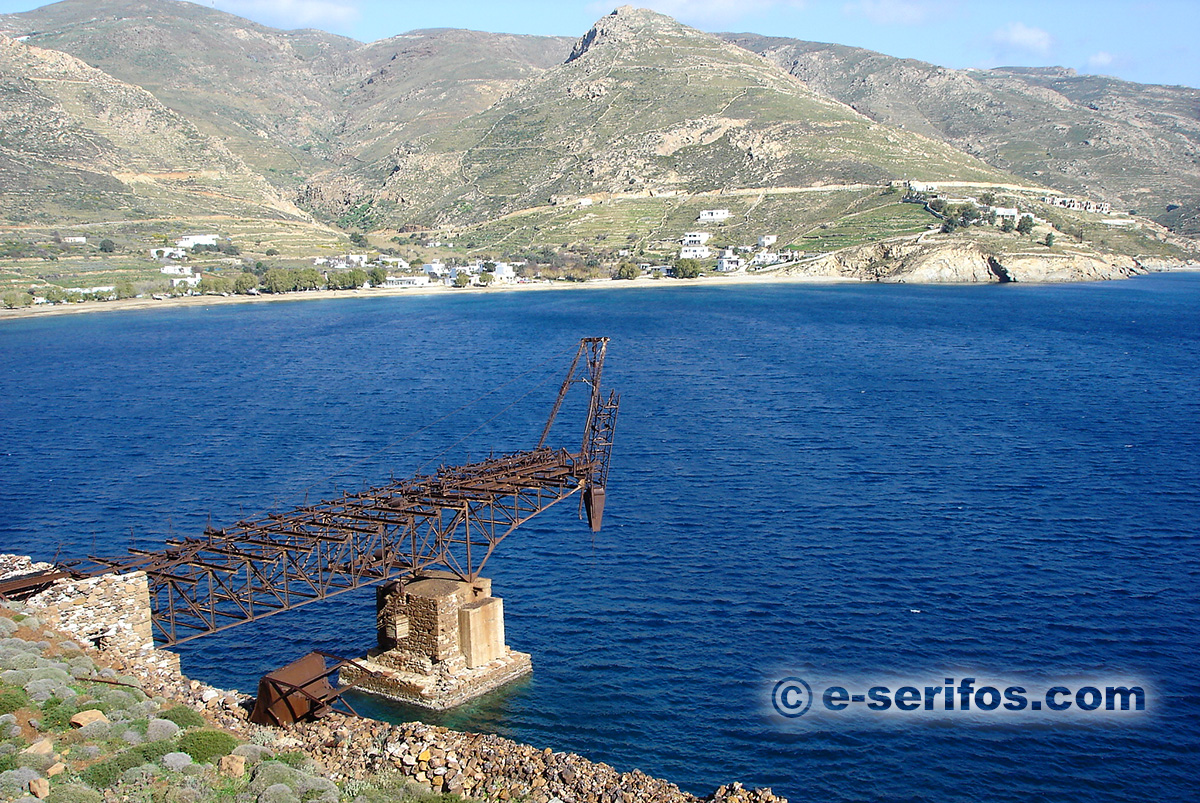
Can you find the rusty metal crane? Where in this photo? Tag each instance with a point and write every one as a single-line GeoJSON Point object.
{"type": "Point", "coordinates": [452, 520]}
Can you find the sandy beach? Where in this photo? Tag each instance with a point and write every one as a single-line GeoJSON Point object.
{"type": "Point", "coordinates": [437, 289]}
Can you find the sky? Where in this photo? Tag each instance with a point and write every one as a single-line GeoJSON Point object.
{"type": "Point", "coordinates": [1153, 41]}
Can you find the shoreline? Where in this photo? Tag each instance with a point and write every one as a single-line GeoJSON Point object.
{"type": "Point", "coordinates": [727, 280]}
{"type": "Point", "coordinates": [128, 304]}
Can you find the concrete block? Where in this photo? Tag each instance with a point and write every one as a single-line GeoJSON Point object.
{"type": "Point", "coordinates": [481, 631]}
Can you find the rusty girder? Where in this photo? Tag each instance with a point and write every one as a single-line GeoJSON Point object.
{"type": "Point", "coordinates": [452, 520]}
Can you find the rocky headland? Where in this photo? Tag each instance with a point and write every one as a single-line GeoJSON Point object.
{"type": "Point", "coordinates": [79, 724]}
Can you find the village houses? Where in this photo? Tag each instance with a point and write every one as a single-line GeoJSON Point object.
{"type": "Point", "coordinates": [695, 252]}
{"type": "Point", "coordinates": [190, 241]}
{"type": "Point", "coordinates": [729, 262]}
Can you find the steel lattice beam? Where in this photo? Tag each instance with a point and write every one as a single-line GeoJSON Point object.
{"type": "Point", "coordinates": [452, 520]}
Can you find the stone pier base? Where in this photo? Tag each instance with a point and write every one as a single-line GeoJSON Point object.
{"type": "Point", "coordinates": [441, 644]}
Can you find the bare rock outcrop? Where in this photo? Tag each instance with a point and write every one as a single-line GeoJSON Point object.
{"type": "Point", "coordinates": [951, 261]}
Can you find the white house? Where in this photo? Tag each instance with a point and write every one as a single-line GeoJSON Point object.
{"type": "Point", "coordinates": [358, 260]}
{"type": "Point", "coordinates": [419, 280]}
{"type": "Point", "coordinates": [763, 258]}
{"type": "Point", "coordinates": [767, 240]}
{"type": "Point", "coordinates": [435, 269]}
{"type": "Point", "coordinates": [191, 240]}
{"type": "Point", "coordinates": [715, 215]}
{"type": "Point", "coordinates": [695, 238]}
{"type": "Point", "coordinates": [1003, 212]}
{"type": "Point", "coordinates": [585, 202]}
{"type": "Point", "coordinates": [695, 252]}
{"type": "Point", "coordinates": [504, 272]}
{"type": "Point", "coordinates": [1099, 207]}
{"type": "Point", "coordinates": [168, 253]}
{"type": "Point", "coordinates": [191, 280]}
{"type": "Point", "coordinates": [729, 262]}
{"type": "Point", "coordinates": [395, 262]}
{"type": "Point", "coordinates": [75, 240]}
{"type": "Point", "coordinates": [176, 270]}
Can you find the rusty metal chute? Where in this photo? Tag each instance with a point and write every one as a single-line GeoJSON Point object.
{"type": "Point", "coordinates": [301, 690]}
{"type": "Point", "coordinates": [451, 520]}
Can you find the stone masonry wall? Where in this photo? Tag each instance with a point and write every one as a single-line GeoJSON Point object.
{"type": "Point", "coordinates": [114, 608]}
{"type": "Point", "coordinates": [111, 613]}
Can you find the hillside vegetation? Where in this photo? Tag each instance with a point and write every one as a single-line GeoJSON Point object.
{"type": "Point", "coordinates": [1136, 146]}
{"type": "Point", "coordinates": [142, 120]}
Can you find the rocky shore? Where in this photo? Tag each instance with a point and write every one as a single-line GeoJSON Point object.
{"type": "Point", "coordinates": [339, 758]}
{"type": "Point", "coordinates": [948, 261]}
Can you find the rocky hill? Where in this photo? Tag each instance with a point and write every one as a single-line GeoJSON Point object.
{"type": "Point", "coordinates": [644, 104]}
{"type": "Point", "coordinates": [1136, 146]}
{"type": "Point", "coordinates": [78, 145]}
{"type": "Point", "coordinates": [449, 127]}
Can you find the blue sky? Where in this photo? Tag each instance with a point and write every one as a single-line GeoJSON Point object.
{"type": "Point", "coordinates": [1153, 41]}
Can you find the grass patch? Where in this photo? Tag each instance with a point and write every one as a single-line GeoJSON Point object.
{"type": "Point", "coordinates": [105, 773]}
{"type": "Point", "coordinates": [203, 746]}
{"type": "Point", "coordinates": [183, 716]}
{"type": "Point", "coordinates": [12, 700]}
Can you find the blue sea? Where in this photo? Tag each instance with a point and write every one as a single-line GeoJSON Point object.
{"type": "Point", "coordinates": [846, 483]}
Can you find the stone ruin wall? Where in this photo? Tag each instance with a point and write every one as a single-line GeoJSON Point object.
{"type": "Point", "coordinates": [109, 612]}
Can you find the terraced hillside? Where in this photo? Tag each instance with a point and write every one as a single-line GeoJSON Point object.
{"type": "Point", "coordinates": [644, 104]}
{"type": "Point", "coordinates": [1136, 146]}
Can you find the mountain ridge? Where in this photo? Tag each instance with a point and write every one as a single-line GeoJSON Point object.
{"type": "Point", "coordinates": [1133, 145]}
{"type": "Point", "coordinates": [444, 126]}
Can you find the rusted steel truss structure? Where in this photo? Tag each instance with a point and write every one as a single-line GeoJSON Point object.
{"type": "Point", "coordinates": [452, 521]}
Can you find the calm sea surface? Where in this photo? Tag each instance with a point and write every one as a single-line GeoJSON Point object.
{"type": "Point", "coordinates": [798, 469]}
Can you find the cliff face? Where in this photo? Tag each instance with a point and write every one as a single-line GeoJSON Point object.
{"type": "Point", "coordinates": [962, 262]}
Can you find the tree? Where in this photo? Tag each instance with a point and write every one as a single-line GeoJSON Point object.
{"type": "Point", "coordinates": [486, 278]}
{"type": "Point", "coordinates": [1025, 224]}
{"type": "Point", "coordinates": [309, 279]}
{"type": "Point", "coordinates": [687, 268]}
{"type": "Point", "coordinates": [462, 279]}
{"type": "Point", "coordinates": [279, 280]}
{"type": "Point", "coordinates": [949, 225]}
{"type": "Point", "coordinates": [14, 299]}
{"type": "Point", "coordinates": [272, 252]}
{"type": "Point", "coordinates": [1050, 240]}
{"type": "Point", "coordinates": [126, 290]}
{"type": "Point", "coordinates": [378, 276]}
{"type": "Point", "coordinates": [107, 246]}
{"type": "Point", "coordinates": [214, 284]}
{"type": "Point", "coordinates": [359, 240]}
{"type": "Point", "coordinates": [244, 282]}
{"type": "Point", "coordinates": [1007, 226]}
{"type": "Point", "coordinates": [627, 270]}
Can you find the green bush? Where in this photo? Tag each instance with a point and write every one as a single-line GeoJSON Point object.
{"type": "Point", "coordinates": [183, 716]}
{"type": "Point", "coordinates": [204, 746]}
{"type": "Point", "coordinates": [294, 759]}
{"type": "Point", "coordinates": [12, 700]}
{"type": "Point", "coordinates": [106, 773]}
{"type": "Point", "coordinates": [56, 713]}
{"type": "Point", "coordinates": [74, 793]}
